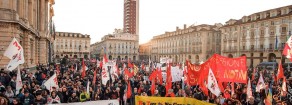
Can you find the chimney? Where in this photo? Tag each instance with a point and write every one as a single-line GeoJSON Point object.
{"type": "Point", "coordinates": [177, 28]}
{"type": "Point", "coordinates": [185, 26]}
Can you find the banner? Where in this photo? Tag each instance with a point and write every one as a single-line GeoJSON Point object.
{"type": "Point", "coordinates": [230, 69]}
{"type": "Point", "coordinates": [101, 102]}
{"type": "Point", "coordinates": [144, 100]}
{"type": "Point", "coordinates": [193, 74]}
{"type": "Point", "coordinates": [176, 74]}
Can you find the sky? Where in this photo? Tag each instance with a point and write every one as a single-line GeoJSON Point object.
{"type": "Point", "coordinates": [100, 17]}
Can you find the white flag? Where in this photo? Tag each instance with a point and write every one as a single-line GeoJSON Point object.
{"type": "Point", "coordinates": [249, 92]}
{"type": "Point", "coordinates": [15, 53]}
{"type": "Point", "coordinates": [212, 83]}
{"type": "Point", "coordinates": [284, 86]}
{"type": "Point", "coordinates": [261, 84]}
{"type": "Point", "coordinates": [52, 82]}
{"type": "Point", "coordinates": [105, 74]}
{"type": "Point", "coordinates": [18, 81]}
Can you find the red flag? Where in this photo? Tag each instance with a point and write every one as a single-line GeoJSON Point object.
{"type": "Point", "coordinates": [100, 64]}
{"type": "Point", "coordinates": [287, 49]}
{"type": "Point", "coordinates": [83, 69]}
{"type": "Point", "coordinates": [168, 78]}
{"type": "Point", "coordinates": [280, 72]}
{"type": "Point", "coordinates": [129, 90]}
{"type": "Point", "coordinates": [130, 65]}
{"type": "Point", "coordinates": [186, 80]}
{"type": "Point", "coordinates": [143, 66]}
{"type": "Point", "coordinates": [94, 77]}
{"type": "Point", "coordinates": [153, 75]}
{"type": "Point", "coordinates": [159, 75]}
{"type": "Point", "coordinates": [153, 87]}
{"type": "Point", "coordinates": [127, 73]}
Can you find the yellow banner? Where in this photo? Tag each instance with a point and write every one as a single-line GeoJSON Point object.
{"type": "Point", "coordinates": [144, 100]}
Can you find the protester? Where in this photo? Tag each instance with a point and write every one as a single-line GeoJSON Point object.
{"type": "Point", "coordinates": [72, 87]}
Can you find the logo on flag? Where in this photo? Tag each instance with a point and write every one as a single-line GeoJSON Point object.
{"type": "Point", "coordinates": [52, 82]}
{"type": "Point", "coordinates": [212, 83]}
{"type": "Point", "coordinates": [15, 53]}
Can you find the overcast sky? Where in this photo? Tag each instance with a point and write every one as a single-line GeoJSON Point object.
{"type": "Point", "coordinates": [100, 17]}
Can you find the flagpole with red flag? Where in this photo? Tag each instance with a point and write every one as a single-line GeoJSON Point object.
{"type": "Point", "coordinates": [168, 78]}
{"type": "Point", "coordinates": [280, 73]}
{"type": "Point", "coordinates": [129, 90]}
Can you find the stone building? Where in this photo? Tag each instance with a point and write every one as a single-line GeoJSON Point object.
{"type": "Point", "coordinates": [260, 36]}
{"type": "Point", "coordinates": [119, 45]}
{"type": "Point", "coordinates": [196, 43]}
{"type": "Point", "coordinates": [71, 45]}
{"type": "Point", "coordinates": [30, 22]}
{"type": "Point", "coordinates": [144, 51]}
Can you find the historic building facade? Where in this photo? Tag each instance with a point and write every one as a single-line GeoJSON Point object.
{"type": "Point", "coordinates": [260, 36]}
{"type": "Point", "coordinates": [196, 43]}
{"type": "Point", "coordinates": [29, 21]}
{"type": "Point", "coordinates": [144, 51]}
{"type": "Point", "coordinates": [71, 45]}
{"type": "Point", "coordinates": [119, 45]}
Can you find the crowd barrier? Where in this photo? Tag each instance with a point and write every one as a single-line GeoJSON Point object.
{"type": "Point", "coordinates": [144, 100]}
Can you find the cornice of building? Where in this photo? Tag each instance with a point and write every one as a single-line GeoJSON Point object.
{"type": "Point", "coordinates": [72, 35]}
{"type": "Point", "coordinates": [267, 13]}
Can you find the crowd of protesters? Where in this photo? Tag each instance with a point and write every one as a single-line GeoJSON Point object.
{"type": "Point", "coordinates": [73, 88]}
